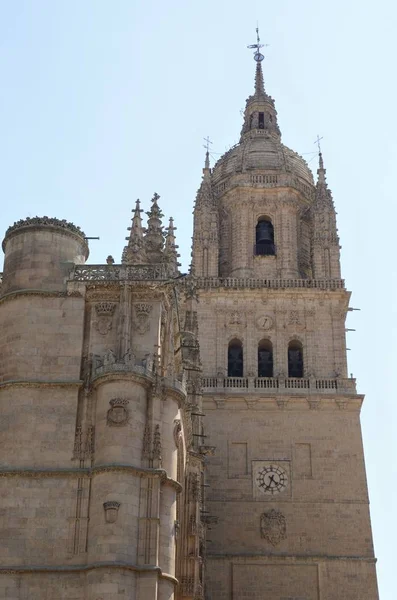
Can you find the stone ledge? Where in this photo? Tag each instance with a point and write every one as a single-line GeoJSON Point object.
{"type": "Point", "coordinates": [39, 383]}
{"type": "Point", "coordinates": [23, 569]}
{"type": "Point", "coordinates": [91, 472]}
{"type": "Point", "coordinates": [295, 558]}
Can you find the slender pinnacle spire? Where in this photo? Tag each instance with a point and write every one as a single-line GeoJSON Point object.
{"type": "Point", "coordinates": [323, 194]}
{"type": "Point", "coordinates": [321, 171]}
{"type": "Point", "coordinates": [259, 83]}
{"type": "Point", "coordinates": [154, 237]}
{"type": "Point", "coordinates": [207, 160]}
{"type": "Point", "coordinates": [134, 253]}
{"type": "Point", "coordinates": [170, 251]}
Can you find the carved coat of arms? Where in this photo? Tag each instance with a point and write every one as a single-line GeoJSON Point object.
{"type": "Point", "coordinates": [142, 314]}
{"type": "Point", "coordinates": [105, 311]}
{"type": "Point", "coordinates": [273, 526]}
{"type": "Point", "coordinates": [118, 413]}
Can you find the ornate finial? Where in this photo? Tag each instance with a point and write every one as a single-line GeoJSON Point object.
{"type": "Point", "coordinates": [134, 252]}
{"type": "Point", "coordinates": [171, 249]}
{"type": "Point", "coordinates": [207, 154]}
{"type": "Point", "coordinates": [257, 55]}
{"type": "Point", "coordinates": [323, 193]}
{"type": "Point", "coordinates": [320, 156]}
{"type": "Point", "coordinates": [154, 238]}
{"type": "Point", "coordinates": [320, 170]}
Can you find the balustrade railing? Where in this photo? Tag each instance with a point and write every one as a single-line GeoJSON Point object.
{"type": "Point", "coordinates": [118, 272]}
{"type": "Point", "coordinates": [149, 272]}
{"type": "Point", "coordinates": [278, 384]}
{"type": "Point", "coordinates": [248, 282]}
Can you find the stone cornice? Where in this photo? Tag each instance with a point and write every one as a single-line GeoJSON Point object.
{"type": "Point", "coordinates": [285, 402]}
{"type": "Point", "coordinates": [138, 374]}
{"type": "Point", "coordinates": [34, 292]}
{"type": "Point", "coordinates": [40, 383]}
{"type": "Point", "coordinates": [32, 473]}
{"type": "Point", "coordinates": [46, 223]}
{"type": "Point", "coordinates": [292, 558]}
{"type": "Point", "coordinates": [31, 569]}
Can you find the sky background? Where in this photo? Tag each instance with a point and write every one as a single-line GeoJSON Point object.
{"type": "Point", "coordinates": [103, 102]}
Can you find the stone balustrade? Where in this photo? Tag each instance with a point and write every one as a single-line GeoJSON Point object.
{"type": "Point", "coordinates": [251, 283]}
{"type": "Point", "coordinates": [158, 272]}
{"type": "Point", "coordinates": [145, 368]}
{"type": "Point", "coordinates": [118, 272]}
{"type": "Point", "coordinates": [289, 385]}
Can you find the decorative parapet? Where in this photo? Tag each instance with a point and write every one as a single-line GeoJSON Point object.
{"type": "Point", "coordinates": [119, 272]}
{"type": "Point", "coordinates": [275, 385]}
{"type": "Point", "coordinates": [159, 272]}
{"type": "Point", "coordinates": [265, 180]}
{"type": "Point", "coordinates": [44, 222]}
{"type": "Point", "coordinates": [145, 367]}
{"type": "Point", "coordinates": [251, 283]}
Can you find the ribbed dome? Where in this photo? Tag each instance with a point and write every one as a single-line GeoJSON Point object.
{"type": "Point", "coordinates": [260, 148]}
{"type": "Point", "coordinates": [263, 153]}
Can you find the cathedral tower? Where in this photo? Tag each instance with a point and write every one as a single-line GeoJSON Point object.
{"type": "Point", "coordinates": [141, 408]}
{"type": "Point", "coordinates": [287, 484]}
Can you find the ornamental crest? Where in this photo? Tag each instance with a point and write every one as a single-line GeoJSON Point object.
{"type": "Point", "coordinates": [142, 313]}
{"type": "Point", "coordinates": [273, 526]}
{"type": "Point", "coordinates": [111, 510]}
{"type": "Point", "coordinates": [105, 311]}
{"type": "Point", "coordinates": [118, 413]}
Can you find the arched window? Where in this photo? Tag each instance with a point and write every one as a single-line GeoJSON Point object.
{"type": "Point", "coordinates": [295, 359]}
{"type": "Point", "coordinates": [264, 237]}
{"type": "Point", "coordinates": [265, 359]}
{"type": "Point", "coordinates": [235, 365]}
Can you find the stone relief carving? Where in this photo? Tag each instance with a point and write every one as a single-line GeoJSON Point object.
{"type": "Point", "coordinates": [142, 314]}
{"type": "Point", "coordinates": [294, 320]}
{"type": "Point", "coordinates": [157, 443]}
{"type": "Point", "coordinates": [117, 415]}
{"type": "Point", "coordinates": [273, 526]}
{"type": "Point", "coordinates": [111, 510]}
{"type": "Point", "coordinates": [109, 358]}
{"type": "Point", "coordinates": [105, 311]}
{"type": "Point", "coordinates": [177, 432]}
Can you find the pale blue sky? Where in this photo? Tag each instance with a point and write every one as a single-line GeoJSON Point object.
{"type": "Point", "coordinates": [103, 102]}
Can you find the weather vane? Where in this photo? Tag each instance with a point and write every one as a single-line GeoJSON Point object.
{"type": "Point", "coordinates": [257, 55]}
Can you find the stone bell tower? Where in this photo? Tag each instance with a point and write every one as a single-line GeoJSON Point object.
{"type": "Point", "coordinates": [287, 485]}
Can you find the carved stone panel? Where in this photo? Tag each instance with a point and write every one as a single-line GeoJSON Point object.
{"type": "Point", "coordinates": [142, 317]}
{"type": "Point", "coordinates": [117, 415]}
{"type": "Point", "coordinates": [111, 510]}
{"type": "Point", "coordinates": [273, 526]}
{"type": "Point", "coordinates": [104, 321]}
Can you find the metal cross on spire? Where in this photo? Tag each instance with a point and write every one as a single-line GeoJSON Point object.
{"type": "Point", "coordinates": [317, 141]}
{"type": "Point", "coordinates": [207, 143]}
{"type": "Point", "coordinates": [257, 55]}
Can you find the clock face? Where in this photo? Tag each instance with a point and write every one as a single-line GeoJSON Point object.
{"type": "Point", "coordinates": [272, 479]}
{"type": "Point", "coordinates": [265, 322]}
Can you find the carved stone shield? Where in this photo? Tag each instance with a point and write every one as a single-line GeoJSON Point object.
{"type": "Point", "coordinates": [118, 413]}
{"type": "Point", "coordinates": [273, 526]}
{"type": "Point", "coordinates": [103, 324]}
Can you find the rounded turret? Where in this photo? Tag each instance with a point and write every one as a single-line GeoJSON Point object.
{"type": "Point", "coordinates": [39, 253]}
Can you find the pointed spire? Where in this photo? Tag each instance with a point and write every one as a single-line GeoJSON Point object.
{"type": "Point", "coordinates": [204, 193]}
{"type": "Point", "coordinates": [259, 83]}
{"type": "Point", "coordinates": [170, 251]}
{"type": "Point", "coordinates": [154, 237]}
{"type": "Point", "coordinates": [260, 112]}
{"type": "Point", "coordinates": [207, 161]}
{"type": "Point", "coordinates": [323, 194]}
{"type": "Point", "coordinates": [134, 252]}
